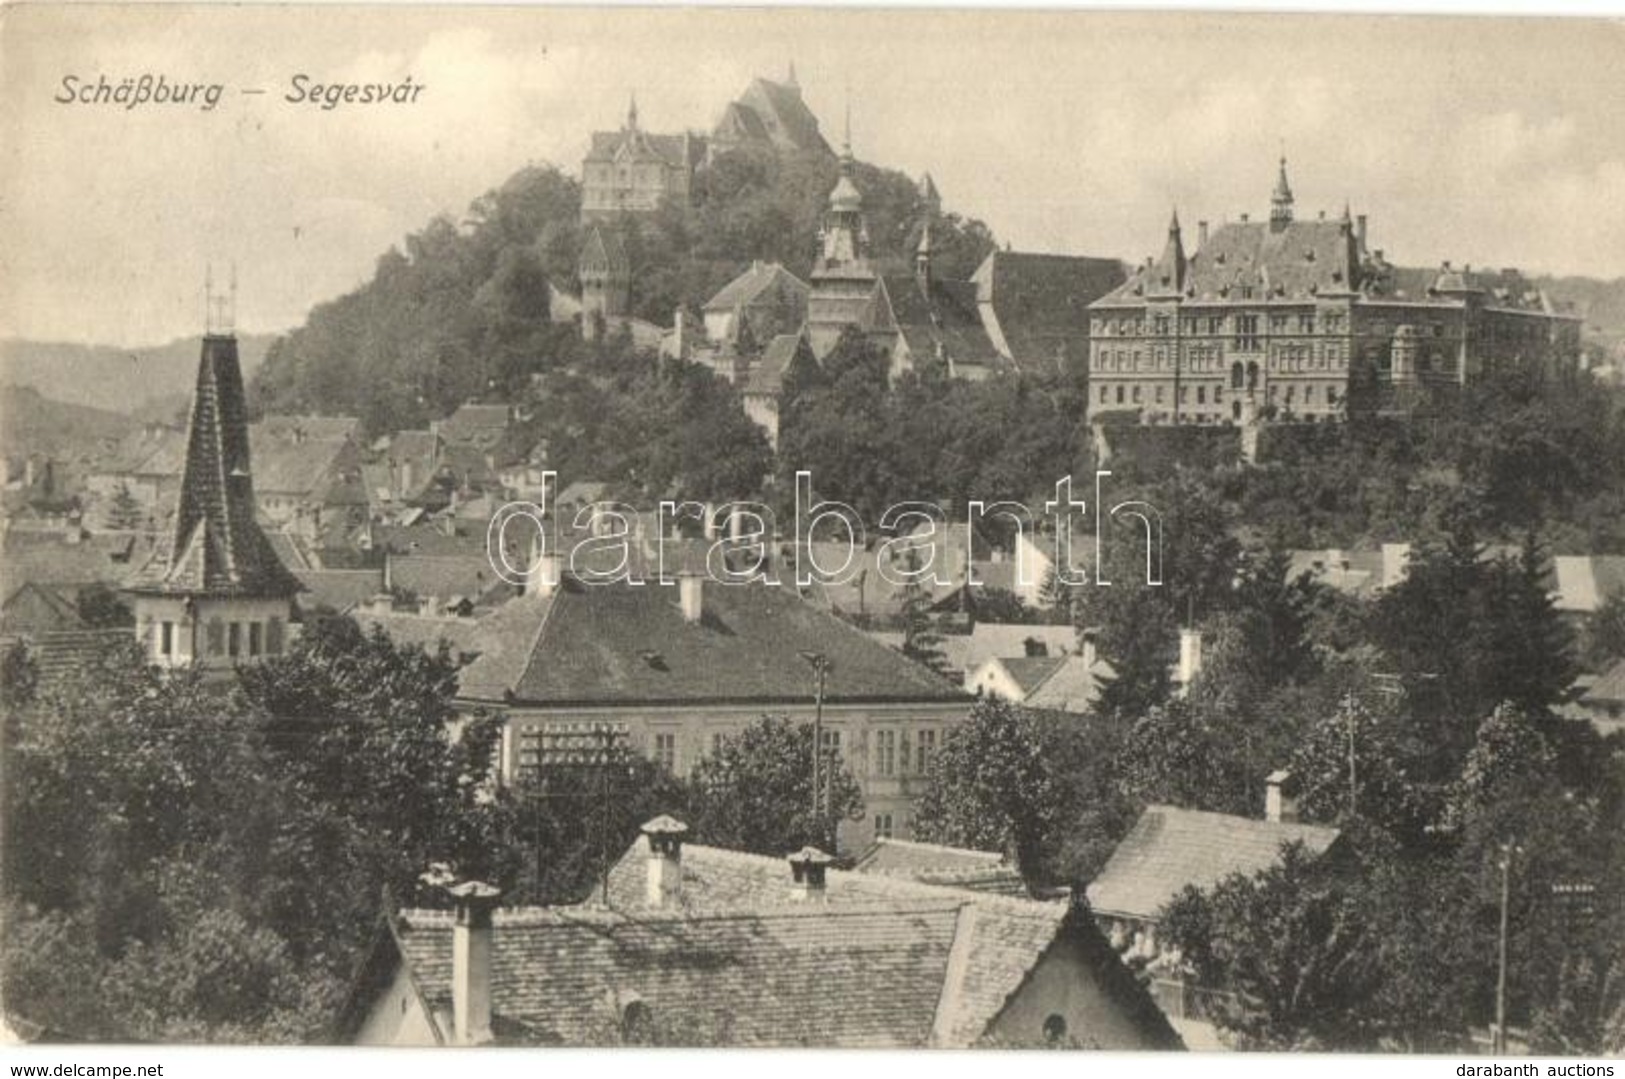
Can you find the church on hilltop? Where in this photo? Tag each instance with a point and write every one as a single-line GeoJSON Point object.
{"type": "Point", "coordinates": [1288, 319]}
{"type": "Point", "coordinates": [632, 170]}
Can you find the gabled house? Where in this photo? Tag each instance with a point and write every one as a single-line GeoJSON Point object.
{"type": "Point", "coordinates": [1170, 849]}
{"type": "Point", "coordinates": [1068, 682]}
{"type": "Point", "coordinates": [673, 668]}
{"type": "Point", "coordinates": [702, 946]}
{"type": "Point", "coordinates": [766, 297]}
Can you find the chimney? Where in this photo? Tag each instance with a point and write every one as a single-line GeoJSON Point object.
{"type": "Point", "coordinates": [1244, 218]}
{"type": "Point", "coordinates": [543, 567]}
{"type": "Point", "coordinates": [691, 594]}
{"type": "Point", "coordinates": [1359, 231]}
{"type": "Point", "coordinates": [1089, 637]}
{"type": "Point", "coordinates": [1190, 658]}
{"type": "Point", "coordinates": [665, 880]}
{"type": "Point", "coordinates": [807, 868]}
{"type": "Point", "coordinates": [1279, 805]}
{"type": "Point", "coordinates": [471, 962]}
{"type": "Point", "coordinates": [1201, 235]}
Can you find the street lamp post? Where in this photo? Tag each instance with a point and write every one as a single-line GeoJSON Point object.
{"type": "Point", "coordinates": [820, 665]}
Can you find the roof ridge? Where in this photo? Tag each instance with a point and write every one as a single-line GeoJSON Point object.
{"type": "Point", "coordinates": [903, 885]}
{"type": "Point", "coordinates": [917, 844]}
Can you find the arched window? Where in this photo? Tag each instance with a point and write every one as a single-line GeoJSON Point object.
{"type": "Point", "coordinates": [1054, 1029]}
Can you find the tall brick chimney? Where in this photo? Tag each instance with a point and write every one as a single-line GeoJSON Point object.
{"type": "Point", "coordinates": [471, 962]}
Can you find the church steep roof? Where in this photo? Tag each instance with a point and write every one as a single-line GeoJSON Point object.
{"type": "Point", "coordinates": [216, 548]}
{"type": "Point", "coordinates": [784, 115]}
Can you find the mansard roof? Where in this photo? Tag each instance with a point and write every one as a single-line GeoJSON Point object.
{"type": "Point", "coordinates": [1303, 260]}
{"type": "Point", "coordinates": [217, 549]}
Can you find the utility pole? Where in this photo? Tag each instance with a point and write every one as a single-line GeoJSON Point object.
{"type": "Point", "coordinates": [821, 665]}
{"type": "Point", "coordinates": [1499, 1044]}
{"type": "Point", "coordinates": [1353, 785]}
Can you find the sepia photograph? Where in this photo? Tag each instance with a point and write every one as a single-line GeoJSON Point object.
{"type": "Point", "coordinates": [804, 528]}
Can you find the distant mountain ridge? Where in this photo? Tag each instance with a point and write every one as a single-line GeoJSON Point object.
{"type": "Point", "coordinates": [33, 423]}
{"type": "Point", "coordinates": [116, 379]}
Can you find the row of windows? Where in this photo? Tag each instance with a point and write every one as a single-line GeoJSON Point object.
{"type": "Point", "coordinates": [1331, 355]}
{"type": "Point", "coordinates": [236, 640]}
{"type": "Point", "coordinates": [1157, 394]}
{"type": "Point", "coordinates": [1305, 322]}
{"type": "Point", "coordinates": [891, 752]}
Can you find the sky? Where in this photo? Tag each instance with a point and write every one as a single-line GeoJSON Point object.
{"type": "Point", "coordinates": [1490, 141]}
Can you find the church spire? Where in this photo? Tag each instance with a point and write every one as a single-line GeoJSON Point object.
{"type": "Point", "coordinates": [217, 548]}
{"type": "Point", "coordinates": [1281, 201]}
{"type": "Point", "coordinates": [632, 113]}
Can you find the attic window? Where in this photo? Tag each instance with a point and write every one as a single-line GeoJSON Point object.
{"type": "Point", "coordinates": [1221, 258]}
{"type": "Point", "coordinates": [1054, 1029]}
{"type": "Point", "coordinates": [653, 659]}
{"type": "Point", "coordinates": [1309, 255]}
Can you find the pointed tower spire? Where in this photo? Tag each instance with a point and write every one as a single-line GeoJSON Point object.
{"type": "Point", "coordinates": [217, 548]}
{"type": "Point", "coordinates": [1281, 201]}
{"type": "Point", "coordinates": [790, 80]}
{"type": "Point", "coordinates": [632, 113]}
{"type": "Point", "coordinates": [1168, 272]}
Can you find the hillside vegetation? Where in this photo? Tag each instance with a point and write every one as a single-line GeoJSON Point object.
{"type": "Point", "coordinates": [462, 312]}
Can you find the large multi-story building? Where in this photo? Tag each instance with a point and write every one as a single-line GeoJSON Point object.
{"type": "Point", "coordinates": [632, 170]}
{"type": "Point", "coordinates": [1286, 319]}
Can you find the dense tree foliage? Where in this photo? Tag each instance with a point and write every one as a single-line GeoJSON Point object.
{"type": "Point", "coordinates": [755, 791]}
{"type": "Point", "coordinates": [1034, 785]}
